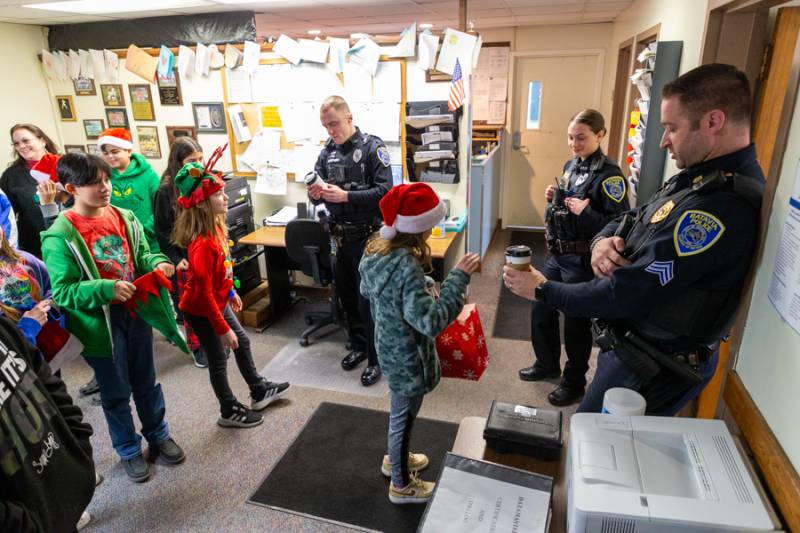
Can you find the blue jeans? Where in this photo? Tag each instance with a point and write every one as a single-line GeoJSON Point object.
{"type": "Point", "coordinates": [130, 371]}
{"type": "Point", "coordinates": [665, 394]}
{"type": "Point", "coordinates": [402, 412]}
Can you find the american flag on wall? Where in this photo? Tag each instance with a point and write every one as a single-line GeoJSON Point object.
{"type": "Point", "coordinates": [456, 89]}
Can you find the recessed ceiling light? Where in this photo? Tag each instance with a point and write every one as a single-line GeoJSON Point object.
{"type": "Point", "coordinates": [314, 32]}
{"type": "Point", "coordinates": [113, 6]}
{"type": "Point", "coordinates": [426, 25]}
{"type": "Point", "coordinates": [357, 35]}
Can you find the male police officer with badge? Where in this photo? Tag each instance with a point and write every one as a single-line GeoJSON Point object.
{"type": "Point", "coordinates": [355, 168]}
{"type": "Point", "coordinates": [591, 193]}
{"type": "Point", "coordinates": [670, 273]}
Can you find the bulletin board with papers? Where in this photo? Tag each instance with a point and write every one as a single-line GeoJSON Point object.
{"type": "Point", "coordinates": [273, 115]}
{"type": "Point", "coordinates": [490, 84]}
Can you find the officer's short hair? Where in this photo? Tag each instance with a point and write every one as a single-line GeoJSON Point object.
{"type": "Point", "coordinates": [712, 86]}
{"type": "Point", "coordinates": [334, 102]}
{"type": "Point", "coordinates": [591, 118]}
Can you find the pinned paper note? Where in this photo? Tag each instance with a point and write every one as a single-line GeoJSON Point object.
{"type": "Point", "coordinates": [271, 180]}
{"type": "Point", "coordinates": [202, 60]}
{"type": "Point", "coordinates": [141, 63]}
{"type": "Point", "coordinates": [87, 71]}
{"type": "Point", "coordinates": [337, 53]}
{"type": "Point", "coordinates": [215, 58]}
{"type": "Point", "coordinates": [288, 48]}
{"type": "Point", "coordinates": [313, 51]}
{"type": "Point", "coordinates": [252, 56]}
{"type": "Point", "coordinates": [270, 118]}
{"type": "Point", "coordinates": [49, 65]}
{"type": "Point", "coordinates": [233, 56]}
{"type": "Point", "coordinates": [239, 87]}
{"type": "Point", "coordinates": [74, 65]}
{"type": "Point", "coordinates": [112, 65]}
{"type": "Point", "coordinates": [456, 45]}
{"type": "Point", "coordinates": [406, 47]}
{"type": "Point", "coordinates": [61, 62]}
{"type": "Point", "coordinates": [428, 45]}
{"type": "Point", "coordinates": [186, 60]}
{"type": "Point", "coordinates": [98, 64]}
{"type": "Point", "coordinates": [166, 60]}
{"type": "Point", "coordinates": [366, 54]}
{"type": "Point", "coordinates": [239, 124]}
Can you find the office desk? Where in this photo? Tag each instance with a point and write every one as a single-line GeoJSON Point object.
{"type": "Point", "coordinates": [470, 443]}
{"type": "Point", "coordinates": [272, 238]}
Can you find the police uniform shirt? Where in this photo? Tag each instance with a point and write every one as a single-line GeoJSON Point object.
{"type": "Point", "coordinates": [599, 179]}
{"type": "Point", "coordinates": [689, 257]}
{"type": "Point", "coordinates": [360, 166]}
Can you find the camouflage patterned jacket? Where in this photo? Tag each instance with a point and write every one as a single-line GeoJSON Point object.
{"type": "Point", "coordinates": [407, 318]}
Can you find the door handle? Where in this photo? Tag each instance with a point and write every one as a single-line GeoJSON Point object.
{"type": "Point", "coordinates": [516, 140]}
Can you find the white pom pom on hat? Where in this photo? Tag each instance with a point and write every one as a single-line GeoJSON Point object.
{"type": "Point", "coordinates": [410, 208]}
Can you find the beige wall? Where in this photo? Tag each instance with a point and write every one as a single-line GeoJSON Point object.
{"type": "Point", "coordinates": [23, 93]}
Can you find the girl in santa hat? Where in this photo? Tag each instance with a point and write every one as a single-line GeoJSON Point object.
{"type": "Point", "coordinates": [209, 299]}
{"type": "Point", "coordinates": [407, 319]}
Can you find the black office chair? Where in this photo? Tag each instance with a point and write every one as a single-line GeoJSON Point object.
{"type": "Point", "coordinates": [308, 244]}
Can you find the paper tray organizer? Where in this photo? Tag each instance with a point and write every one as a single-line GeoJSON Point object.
{"type": "Point", "coordinates": [434, 161]}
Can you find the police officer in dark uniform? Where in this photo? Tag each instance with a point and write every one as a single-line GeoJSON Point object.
{"type": "Point", "coordinates": [356, 171]}
{"type": "Point", "coordinates": [670, 273]}
{"type": "Point", "coordinates": [591, 192]}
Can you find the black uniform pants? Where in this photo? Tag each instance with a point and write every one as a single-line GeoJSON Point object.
{"type": "Point", "coordinates": [360, 327]}
{"type": "Point", "coordinates": [545, 336]}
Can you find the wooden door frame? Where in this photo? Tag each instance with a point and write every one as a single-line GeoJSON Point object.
{"type": "Point", "coordinates": [779, 474]}
{"type": "Point", "coordinates": [600, 53]}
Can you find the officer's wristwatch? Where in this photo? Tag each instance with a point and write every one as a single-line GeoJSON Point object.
{"type": "Point", "coordinates": [538, 292]}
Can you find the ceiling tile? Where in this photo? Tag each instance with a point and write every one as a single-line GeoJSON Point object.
{"type": "Point", "coordinates": [548, 10]}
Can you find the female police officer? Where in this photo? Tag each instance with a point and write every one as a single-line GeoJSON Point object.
{"type": "Point", "coordinates": [591, 192]}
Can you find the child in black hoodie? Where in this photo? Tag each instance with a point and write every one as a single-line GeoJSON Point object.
{"type": "Point", "coordinates": [47, 475]}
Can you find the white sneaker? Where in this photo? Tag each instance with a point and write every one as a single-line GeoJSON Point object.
{"type": "Point", "coordinates": [417, 491]}
{"type": "Point", "coordinates": [83, 521]}
{"type": "Point", "coordinates": [416, 462]}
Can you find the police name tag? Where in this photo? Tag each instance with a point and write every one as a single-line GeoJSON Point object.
{"type": "Point", "coordinates": [696, 232]}
{"type": "Point", "coordinates": [614, 187]}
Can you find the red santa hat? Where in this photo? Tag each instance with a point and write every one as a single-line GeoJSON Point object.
{"type": "Point", "coordinates": [57, 345]}
{"type": "Point", "coordinates": [45, 168]}
{"type": "Point", "coordinates": [119, 137]}
{"type": "Point", "coordinates": [410, 208]}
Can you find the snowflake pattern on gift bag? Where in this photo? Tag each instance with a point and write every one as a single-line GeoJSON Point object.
{"type": "Point", "coordinates": [462, 346]}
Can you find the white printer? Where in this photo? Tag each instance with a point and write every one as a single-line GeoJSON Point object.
{"type": "Point", "coordinates": [648, 474]}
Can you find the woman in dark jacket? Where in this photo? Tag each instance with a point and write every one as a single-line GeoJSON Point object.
{"type": "Point", "coordinates": [183, 150]}
{"type": "Point", "coordinates": [30, 144]}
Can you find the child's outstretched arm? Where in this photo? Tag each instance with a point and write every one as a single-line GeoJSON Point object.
{"type": "Point", "coordinates": [430, 316]}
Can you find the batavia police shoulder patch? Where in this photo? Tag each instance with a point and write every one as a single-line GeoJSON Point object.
{"type": "Point", "coordinates": [383, 155]}
{"type": "Point", "coordinates": [614, 187]}
{"type": "Point", "coordinates": [696, 232]}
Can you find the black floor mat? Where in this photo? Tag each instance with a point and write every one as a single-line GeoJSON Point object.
{"type": "Point", "coordinates": [331, 471]}
{"type": "Point", "coordinates": [513, 318]}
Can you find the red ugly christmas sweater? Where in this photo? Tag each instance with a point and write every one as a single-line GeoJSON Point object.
{"type": "Point", "coordinates": [209, 283]}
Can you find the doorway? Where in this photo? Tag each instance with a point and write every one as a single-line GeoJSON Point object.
{"type": "Point", "coordinates": [547, 90]}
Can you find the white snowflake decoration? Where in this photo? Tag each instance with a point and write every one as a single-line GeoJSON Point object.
{"type": "Point", "coordinates": [457, 355]}
{"type": "Point", "coordinates": [446, 339]}
{"type": "Point", "coordinates": [480, 342]}
{"type": "Point", "coordinates": [446, 365]}
{"type": "Point", "coordinates": [469, 374]}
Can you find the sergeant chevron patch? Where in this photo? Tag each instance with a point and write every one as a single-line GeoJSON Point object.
{"type": "Point", "coordinates": [662, 269]}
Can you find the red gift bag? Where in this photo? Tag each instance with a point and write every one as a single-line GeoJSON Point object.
{"type": "Point", "coordinates": [462, 347]}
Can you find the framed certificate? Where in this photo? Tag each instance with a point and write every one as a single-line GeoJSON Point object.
{"type": "Point", "coordinates": [141, 102]}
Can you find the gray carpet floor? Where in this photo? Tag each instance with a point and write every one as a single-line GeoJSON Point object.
{"type": "Point", "coordinates": [224, 466]}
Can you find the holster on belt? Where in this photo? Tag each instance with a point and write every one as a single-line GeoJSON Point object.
{"type": "Point", "coordinates": [643, 358]}
{"type": "Point", "coordinates": [352, 231]}
{"type": "Point", "coordinates": [569, 247]}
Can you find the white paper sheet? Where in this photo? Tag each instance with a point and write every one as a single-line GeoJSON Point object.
{"type": "Point", "coordinates": [288, 48]}
{"type": "Point", "coordinates": [239, 86]}
{"type": "Point", "coordinates": [480, 109]}
{"type": "Point", "coordinates": [166, 60]}
{"type": "Point", "coordinates": [98, 64]}
{"type": "Point", "coordinates": [366, 54]}
{"type": "Point", "coordinates": [497, 113]}
{"type": "Point", "coordinates": [300, 121]}
{"type": "Point", "coordinates": [437, 136]}
{"type": "Point", "coordinates": [301, 160]}
{"type": "Point", "coordinates": [263, 150]}
{"type": "Point", "coordinates": [784, 290]}
{"type": "Point", "coordinates": [313, 51]}
{"type": "Point", "coordinates": [456, 45]}
{"type": "Point", "coordinates": [420, 121]}
{"type": "Point", "coordinates": [428, 45]}
{"type": "Point", "coordinates": [202, 60]}
{"type": "Point", "coordinates": [498, 89]}
{"type": "Point", "coordinates": [111, 61]}
{"type": "Point", "coordinates": [498, 60]}
{"type": "Point", "coordinates": [252, 55]}
{"type": "Point", "coordinates": [387, 85]}
{"type": "Point", "coordinates": [378, 118]}
{"type": "Point", "coordinates": [357, 84]}
{"type": "Point", "coordinates": [49, 65]}
{"type": "Point", "coordinates": [233, 56]}
{"type": "Point", "coordinates": [271, 180]}
{"type": "Point", "coordinates": [337, 53]}
{"type": "Point", "coordinates": [476, 53]}
{"type": "Point", "coordinates": [239, 124]}
{"type": "Point", "coordinates": [406, 47]}
{"type": "Point", "coordinates": [311, 83]}
{"type": "Point", "coordinates": [62, 61]}
{"type": "Point", "coordinates": [186, 60]}
{"type": "Point", "coordinates": [269, 83]}
{"type": "Point", "coordinates": [87, 69]}
{"type": "Point", "coordinates": [395, 153]}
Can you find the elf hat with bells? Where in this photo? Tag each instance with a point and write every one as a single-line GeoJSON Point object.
{"type": "Point", "coordinates": [410, 208]}
{"type": "Point", "coordinates": [196, 183]}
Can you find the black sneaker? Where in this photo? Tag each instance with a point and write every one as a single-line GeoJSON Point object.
{"type": "Point", "coordinates": [239, 416]}
{"type": "Point", "coordinates": [169, 451]}
{"type": "Point", "coordinates": [199, 358]}
{"type": "Point", "coordinates": [137, 469]}
{"type": "Point", "coordinates": [90, 388]}
{"type": "Point", "coordinates": [271, 392]}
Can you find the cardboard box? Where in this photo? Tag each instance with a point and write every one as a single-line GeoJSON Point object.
{"type": "Point", "coordinates": [254, 295]}
{"type": "Point", "coordinates": [257, 314]}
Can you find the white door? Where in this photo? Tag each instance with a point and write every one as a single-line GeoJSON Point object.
{"type": "Point", "coordinates": [537, 149]}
